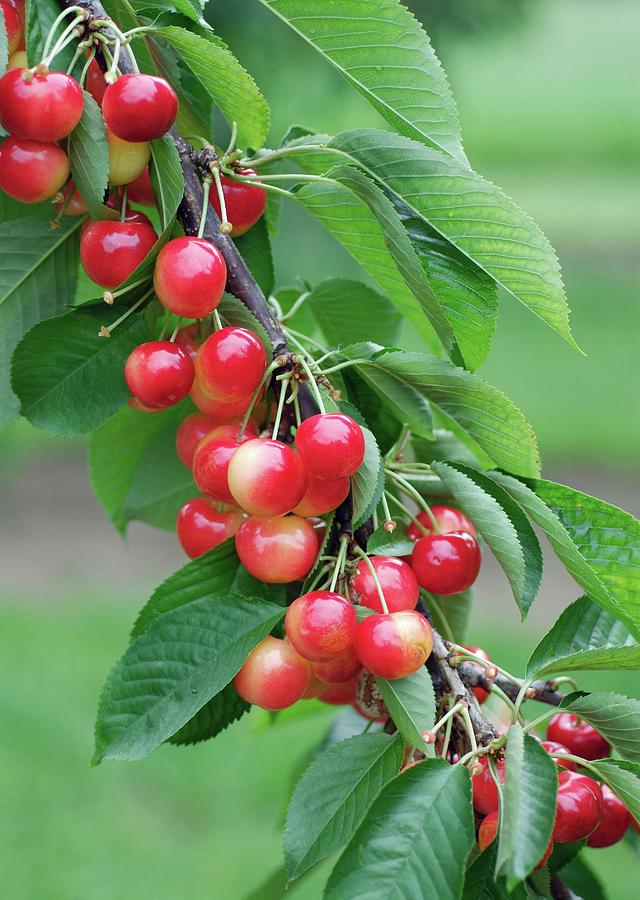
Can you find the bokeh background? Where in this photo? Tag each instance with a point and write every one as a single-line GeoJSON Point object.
{"type": "Point", "coordinates": [549, 101]}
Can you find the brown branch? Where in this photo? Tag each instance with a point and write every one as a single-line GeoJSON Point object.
{"type": "Point", "coordinates": [542, 691]}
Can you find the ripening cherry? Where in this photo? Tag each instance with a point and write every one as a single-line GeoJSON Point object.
{"type": "Point", "coordinates": [446, 563]}
{"type": "Point", "coordinates": [580, 737]}
{"type": "Point", "coordinates": [72, 203]}
{"type": "Point", "coordinates": [201, 527]}
{"type": "Point", "coordinates": [194, 428]}
{"type": "Point", "coordinates": [211, 461]}
{"type": "Point", "coordinates": [479, 692]}
{"type": "Point", "coordinates": [13, 24]}
{"type": "Point", "coordinates": [231, 363]}
{"type": "Point", "coordinates": [127, 160]}
{"type": "Point", "coordinates": [140, 190]}
{"type": "Point", "coordinates": [139, 107]}
{"type": "Point", "coordinates": [95, 83]}
{"type": "Point", "coordinates": [340, 694]}
{"type": "Point", "coordinates": [110, 251]}
{"type": "Point", "coordinates": [159, 374]}
{"type": "Point", "coordinates": [274, 676]}
{"type": "Point", "coordinates": [393, 645]}
{"type": "Point", "coordinates": [339, 668]}
{"type": "Point", "coordinates": [32, 171]}
{"type": "Point", "coordinates": [277, 550]}
{"type": "Point", "coordinates": [267, 478]}
{"type": "Point", "coordinates": [217, 409]}
{"type": "Point", "coordinates": [487, 834]}
{"type": "Point", "coordinates": [448, 519]}
{"type": "Point", "coordinates": [399, 584]}
{"type": "Point", "coordinates": [579, 807]}
{"type": "Point", "coordinates": [322, 496]}
{"type": "Point", "coordinates": [485, 792]}
{"type": "Point", "coordinates": [245, 203]}
{"type": "Point", "coordinates": [553, 747]}
{"type": "Point", "coordinates": [615, 821]}
{"type": "Point", "coordinates": [321, 625]}
{"type": "Point", "coordinates": [331, 445]}
{"type": "Point", "coordinates": [190, 277]}
{"type": "Point", "coordinates": [44, 107]}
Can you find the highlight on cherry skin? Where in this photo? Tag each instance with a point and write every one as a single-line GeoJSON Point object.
{"type": "Point", "coordinates": [321, 625]}
{"type": "Point", "coordinates": [189, 277]}
{"type": "Point", "coordinates": [42, 106]}
{"type": "Point", "coordinates": [581, 738]}
{"type": "Point", "coordinates": [13, 25]}
{"type": "Point", "coordinates": [139, 107]}
{"type": "Point", "coordinates": [201, 525]}
{"type": "Point", "coordinates": [245, 203]}
{"type": "Point", "coordinates": [394, 645]}
{"type": "Point", "coordinates": [331, 445]}
{"type": "Point", "coordinates": [397, 580]}
{"type": "Point", "coordinates": [266, 478]}
{"type": "Point", "coordinates": [159, 374]}
{"type": "Point", "coordinates": [277, 550]}
{"type": "Point", "coordinates": [446, 563]}
{"type": "Point", "coordinates": [274, 675]}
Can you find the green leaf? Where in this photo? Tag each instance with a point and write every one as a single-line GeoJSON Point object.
{"type": "Point", "coordinates": [613, 715]}
{"type": "Point", "coordinates": [68, 378]}
{"type": "Point", "coordinates": [472, 214]}
{"type": "Point", "coordinates": [168, 180]}
{"type": "Point", "coordinates": [226, 82]}
{"type": "Point", "coordinates": [412, 705]}
{"type": "Point", "coordinates": [383, 52]}
{"type": "Point", "coordinates": [334, 795]}
{"type": "Point", "coordinates": [255, 247]}
{"type": "Point", "coordinates": [348, 310]}
{"type": "Point", "coordinates": [89, 159]}
{"type": "Point", "coordinates": [381, 543]}
{"type": "Point", "coordinates": [579, 878]}
{"type": "Point", "coordinates": [624, 780]}
{"type": "Point", "coordinates": [451, 614]}
{"type": "Point", "coordinates": [177, 665]}
{"type": "Point", "coordinates": [221, 711]}
{"type": "Point", "coordinates": [415, 840]}
{"type": "Point", "coordinates": [39, 17]}
{"type": "Point", "coordinates": [502, 524]}
{"type": "Point", "coordinates": [235, 312]}
{"type": "Point", "coordinates": [367, 484]}
{"type": "Point", "coordinates": [528, 809]}
{"type": "Point", "coordinates": [213, 573]}
{"type": "Point", "coordinates": [38, 276]}
{"type": "Point", "coordinates": [585, 637]}
{"type": "Point", "coordinates": [479, 881]}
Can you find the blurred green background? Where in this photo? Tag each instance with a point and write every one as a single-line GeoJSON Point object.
{"type": "Point", "coordinates": [548, 96]}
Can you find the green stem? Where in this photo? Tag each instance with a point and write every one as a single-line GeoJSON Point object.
{"type": "Point", "coordinates": [206, 188]}
{"type": "Point", "coordinates": [233, 140]}
{"type": "Point", "coordinates": [409, 489]}
{"type": "Point", "coordinates": [124, 316]}
{"type": "Point", "coordinates": [291, 151]}
{"type": "Point", "coordinates": [520, 699]}
{"type": "Point", "coordinates": [385, 508]}
{"type": "Point", "coordinates": [301, 361]}
{"type": "Point", "coordinates": [296, 306]}
{"type": "Point", "coordinates": [340, 561]}
{"type": "Point", "coordinates": [473, 657]}
{"type": "Point", "coordinates": [505, 699]}
{"type": "Point", "coordinates": [72, 9]}
{"type": "Point", "coordinates": [217, 321]}
{"type": "Point", "coordinates": [344, 365]}
{"type": "Point", "coordinates": [284, 385]}
{"type": "Point", "coordinates": [225, 224]}
{"type": "Point", "coordinates": [123, 207]}
{"type": "Point", "coordinates": [406, 511]}
{"type": "Point", "coordinates": [541, 718]}
{"type": "Point", "coordinates": [360, 552]}
{"type": "Point", "coordinates": [464, 712]}
{"type": "Point", "coordinates": [291, 332]}
{"type": "Point", "coordinates": [447, 738]}
{"type": "Point", "coordinates": [576, 759]}
{"type": "Point", "coordinates": [83, 75]}
{"type": "Point", "coordinates": [65, 38]}
{"type": "Point", "coordinates": [456, 708]}
{"type": "Point", "coordinates": [267, 375]}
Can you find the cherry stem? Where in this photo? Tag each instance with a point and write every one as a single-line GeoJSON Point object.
{"type": "Point", "coordinates": [76, 56]}
{"type": "Point", "coordinates": [456, 708]}
{"type": "Point", "coordinates": [293, 334]}
{"type": "Point", "coordinates": [416, 521]}
{"type": "Point", "coordinates": [464, 712]}
{"type": "Point", "coordinates": [232, 141]}
{"type": "Point", "coordinates": [409, 489]}
{"type": "Point", "coordinates": [469, 655]}
{"type": "Point", "coordinates": [360, 552]}
{"type": "Point", "coordinates": [284, 385]}
{"type": "Point", "coordinates": [301, 361]}
{"type": "Point", "coordinates": [495, 689]}
{"type": "Point", "coordinates": [296, 306]}
{"type": "Point", "coordinates": [276, 364]}
{"type": "Point", "coordinates": [85, 70]}
{"type": "Point", "coordinates": [541, 718]}
{"type": "Point", "coordinates": [107, 332]}
{"type": "Point", "coordinates": [285, 152]}
{"type": "Point", "coordinates": [447, 738]}
{"type": "Point", "coordinates": [340, 561]}
{"type": "Point", "coordinates": [520, 699]}
{"type": "Point", "coordinates": [577, 759]}
{"type": "Point", "coordinates": [65, 38]}
{"type": "Point", "coordinates": [206, 188]}
{"type": "Point", "coordinates": [78, 11]}
{"type": "Point", "coordinates": [318, 579]}
{"type": "Point", "coordinates": [385, 509]}
{"type": "Point", "coordinates": [225, 224]}
{"type": "Point", "coordinates": [123, 205]}
{"type": "Point", "coordinates": [175, 332]}
{"type": "Point", "coordinates": [344, 365]}
{"type": "Point", "coordinates": [296, 408]}
{"type": "Point", "coordinates": [398, 448]}
{"type": "Point", "coordinates": [217, 321]}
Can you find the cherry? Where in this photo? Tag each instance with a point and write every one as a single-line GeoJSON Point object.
{"type": "Point", "coordinates": [139, 107]}
{"type": "Point", "coordinates": [321, 625]}
{"type": "Point", "coordinates": [579, 807]}
{"type": "Point", "coordinates": [339, 668]}
{"type": "Point", "coordinates": [13, 25]}
{"type": "Point", "coordinates": [189, 339]}
{"type": "Point", "coordinates": [134, 403]}
{"type": "Point", "coordinates": [393, 645]}
{"type": "Point", "coordinates": [277, 550]}
{"type": "Point", "coordinates": [489, 828]}
{"type": "Point", "coordinates": [331, 445]}
{"type": "Point", "coordinates": [322, 496]}
{"type": "Point", "coordinates": [75, 206]}
{"type": "Point", "coordinates": [581, 739]}
{"type": "Point", "coordinates": [448, 519]}
{"type": "Point", "coordinates": [615, 821]}
{"type": "Point", "coordinates": [316, 687]}
{"type": "Point", "coordinates": [231, 363]}
{"type": "Point", "coordinates": [217, 409]}
{"type": "Point", "coordinates": [127, 160]}
{"type": "Point", "coordinates": [95, 83]}
{"type": "Point", "coordinates": [552, 747]}
{"type": "Point", "coordinates": [201, 527]}
{"type": "Point", "coordinates": [446, 563]}
{"type": "Point", "coordinates": [110, 251]}
{"type": "Point", "coordinates": [274, 676]}
{"type": "Point", "coordinates": [211, 461]}
{"type": "Point", "coordinates": [479, 692]}
{"type": "Point", "coordinates": [159, 374]}
{"type": "Point", "coordinates": [398, 583]}
{"type": "Point", "coordinates": [190, 277]}
{"type": "Point", "coordinates": [266, 478]}
{"type": "Point", "coordinates": [485, 792]}
{"type": "Point", "coordinates": [319, 528]}
{"type": "Point", "coordinates": [140, 190]}
{"type": "Point", "coordinates": [195, 427]}
{"type": "Point", "coordinates": [44, 107]}
{"type": "Point", "coordinates": [339, 694]}
{"type": "Point", "coordinates": [32, 171]}
{"type": "Point", "coordinates": [245, 203]}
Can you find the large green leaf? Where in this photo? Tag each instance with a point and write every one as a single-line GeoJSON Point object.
{"type": "Point", "coordinates": [381, 49]}
{"type": "Point", "coordinates": [415, 840]}
{"type": "Point", "coordinates": [168, 180]}
{"type": "Point", "coordinates": [479, 880]}
{"type": "Point", "coordinates": [89, 159]}
{"type": "Point", "coordinates": [412, 705]}
{"type": "Point", "coordinates": [38, 276]}
{"type": "Point", "coordinates": [255, 247]}
{"type": "Point", "coordinates": [613, 715]}
{"type": "Point", "coordinates": [624, 780]}
{"type": "Point", "coordinates": [348, 310]}
{"type": "Point", "coordinates": [333, 796]}
{"type": "Point", "coordinates": [221, 711]}
{"type": "Point", "coordinates": [70, 379]}
{"type": "Point", "coordinates": [502, 524]}
{"type": "Point", "coordinates": [368, 482]}
{"type": "Point", "coordinates": [178, 664]}
{"type": "Point", "coordinates": [528, 809]}
{"type": "Point", "coordinates": [584, 637]}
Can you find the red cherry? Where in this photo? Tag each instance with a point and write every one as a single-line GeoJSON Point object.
{"type": "Point", "coordinates": [393, 645]}
{"type": "Point", "coordinates": [266, 478]}
{"type": "Point", "coordinates": [552, 747]}
{"type": "Point", "coordinates": [579, 807]}
{"type": "Point", "coordinates": [13, 25]}
{"type": "Point", "coordinates": [46, 107]}
{"type": "Point", "coordinates": [485, 792]}
{"type": "Point", "coordinates": [245, 203]}
{"type": "Point", "coordinates": [159, 374]}
{"type": "Point", "coordinates": [95, 83]}
{"type": "Point", "coordinates": [217, 409]}
{"type": "Point", "coordinates": [32, 171]}
{"type": "Point", "coordinates": [398, 583]}
{"type": "Point", "coordinates": [195, 427]}
{"type": "Point", "coordinates": [75, 206]}
{"type": "Point", "coordinates": [321, 625]}
{"type": "Point", "coordinates": [615, 821]}
{"type": "Point", "coordinates": [581, 739]}
{"type": "Point", "coordinates": [479, 692]}
{"type": "Point", "coordinates": [448, 518]}
{"type": "Point", "coordinates": [134, 403]}
{"type": "Point", "coordinates": [231, 363]}
{"type": "Point", "coordinates": [339, 668]}
{"type": "Point", "coordinates": [339, 694]}
{"type": "Point", "coordinates": [211, 461]}
{"type": "Point", "coordinates": [201, 527]}
{"type": "Point", "coordinates": [322, 496]}
{"type": "Point", "coordinates": [274, 676]}
{"type": "Point", "coordinates": [139, 107]}
{"type": "Point", "coordinates": [331, 445]}
{"type": "Point", "coordinates": [489, 828]}
{"type": "Point", "coordinates": [277, 550]}
{"type": "Point", "coordinates": [140, 190]}
{"type": "Point", "coordinates": [446, 563]}
{"type": "Point", "coordinates": [190, 277]}
{"type": "Point", "coordinates": [111, 251]}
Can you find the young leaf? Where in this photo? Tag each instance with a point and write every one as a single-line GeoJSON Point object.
{"type": "Point", "coordinates": [221, 711]}
{"type": "Point", "coordinates": [584, 637]}
{"type": "Point", "coordinates": [177, 665]}
{"type": "Point", "coordinates": [502, 524]}
{"type": "Point", "coordinates": [412, 705]}
{"type": "Point", "coordinates": [624, 780]}
{"type": "Point", "coordinates": [89, 159]}
{"type": "Point", "coordinates": [255, 247]}
{"type": "Point", "coordinates": [367, 484]}
{"type": "Point", "coordinates": [334, 795]}
{"type": "Point", "coordinates": [613, 715]}
{"type": "Point", "coordinates": [348, 310]}
{"type": "Point", "coordinates": [384, 54]}
{"type": "Point", "coordinates": [70, 379]}
{"type": "Point", "coordinates": [528, 809]}
{"type": "Point", "coordinates": [415, 840]}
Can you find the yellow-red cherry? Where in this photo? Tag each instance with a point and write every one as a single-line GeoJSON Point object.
{"type": "Point", "coordinates": [321, 625]}
{"type": "Point", "coordinates": [245, 203]}
{"type": "Point", "coordinates": [190, 277]}
{"type": "Point", "coordinates": [322, 496]}
{"type": "Point", "coordinates": [211, 461]}
{"type": "Point", "coordinates": [127, 160]}
{"type": "Point", "coordinates": [140, 190]}
{"type": "Point", "coordinates": [32, 171]}
{"type": "Point", "coordinates": [399, 584]}
{"type": "Point", "coordinates": [581, 738]}
{"type": "Point", "coordinates": [43, 106]}
{"type": "Point", "coordinates": [110, 251]}
{"type": "Point", "coordinates": [339, 668]}
{"type": "Point", "coordinates": [217, 409]}
{"type": "Point", "coordinates": [266, 478]}
{"type": "Point", "coordinates": [393, 645]}
{"type": "Point", "coordinates": [274, 676]}
{"type": "Point", "coordinates": [231, 363]}
{"type": "Point", "coordinates": [201, 527]}
{"type": "Point", "coordinates": [448, 518]}
{"type": "Point", "coordinates": [446, 563]}
{"type": "Point", "coordinates": [195, 427]}
{"type": "Point", "coordinates": [73, 203]}
{"type": "Point", "coordinates": [139, 107]}
{"type": "Point", "coordinates": [277, 550]}
{"type": "Point", "coordinates": [341, 693]}
{"type": "Point", "coordinates": [159, 374]}
{"type": "Point", "coordinates": [331, 445]}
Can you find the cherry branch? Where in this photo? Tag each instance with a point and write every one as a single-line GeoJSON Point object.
{"type": "Point", "coordinates": [542, 691]}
